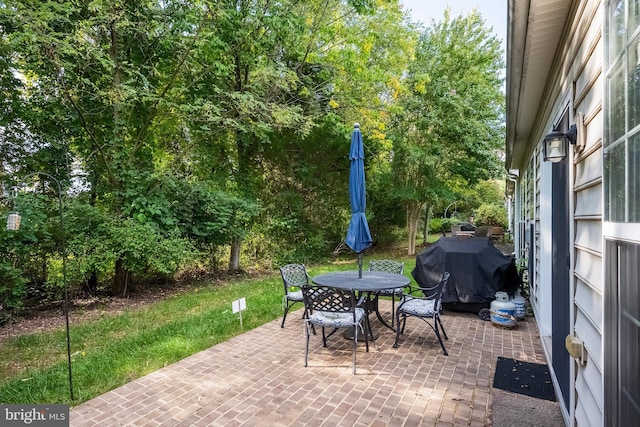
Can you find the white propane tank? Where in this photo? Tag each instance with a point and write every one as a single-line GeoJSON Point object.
{"type": "Point", "coordinates": [519, 301]}
{"type": "Point", "coordinates": [503, 311]}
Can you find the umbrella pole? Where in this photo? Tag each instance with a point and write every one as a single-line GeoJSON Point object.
{"type": "Point", "coordinates": [360, 265]}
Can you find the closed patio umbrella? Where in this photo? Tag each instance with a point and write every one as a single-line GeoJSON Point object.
{"type": "Point", "coordinates": [358, 234]}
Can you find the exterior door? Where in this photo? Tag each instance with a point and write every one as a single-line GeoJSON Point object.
{"type": "Point", "coordinates": [560, 298]}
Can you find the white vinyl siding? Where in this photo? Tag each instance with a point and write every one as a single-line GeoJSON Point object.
{"type": "Point", "coordinates": [589, 235]}
{"type": "Point", "coordinates": [588, 210]}
{"type": "Point", "coordinates": [586, 403]}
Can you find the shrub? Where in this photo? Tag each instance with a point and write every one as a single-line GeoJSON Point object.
{"type": "Point", "coordinates": [491, 214]}
{"type": "Point", "coordinates": [12, 290]}
{"type": "Point", "coordinates": [437, 225]}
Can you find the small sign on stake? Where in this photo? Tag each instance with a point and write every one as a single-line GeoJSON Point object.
{"type": "Point", "coordinates": [238, 306]}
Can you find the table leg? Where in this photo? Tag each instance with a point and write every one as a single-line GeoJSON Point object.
{"type": "Point", "coordinates": [370, 305]}
{"type": "Point", "coordinates": [378, 315]}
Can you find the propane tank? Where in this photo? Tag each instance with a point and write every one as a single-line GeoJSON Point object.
{"type": "Point", "coordinates": [519, 301]}
{"type": "Point", "coordinates": [503, 311]}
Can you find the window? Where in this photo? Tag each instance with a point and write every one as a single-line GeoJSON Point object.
{"type": "Point", "coordinates": [529, 215]}
{"type": "Point", "coordinates": [622, 139]}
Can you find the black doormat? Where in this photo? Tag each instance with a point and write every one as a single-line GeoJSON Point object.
{"type": "Point", "coordinates": [530, 379]}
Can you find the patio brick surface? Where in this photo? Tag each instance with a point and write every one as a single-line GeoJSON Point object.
{"type": "Point", "coordinates": [259, 379]}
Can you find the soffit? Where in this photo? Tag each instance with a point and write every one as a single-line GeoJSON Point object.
{"type": "Point", "coordinates": [535, 29]}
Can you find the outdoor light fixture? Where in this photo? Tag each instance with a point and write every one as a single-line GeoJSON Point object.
{"type": "Point", "coordinates": [556, 144]}
{"type": "Point", "coordinates": [13, 224]}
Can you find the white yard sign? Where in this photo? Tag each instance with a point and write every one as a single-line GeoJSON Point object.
{"type": "Point", "coordinates": [239, 306]}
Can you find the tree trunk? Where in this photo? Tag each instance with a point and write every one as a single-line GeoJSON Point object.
{"type": "Point", "coordinates": [114, 53]}
{"type": "Point", "coordinates": [427, 217]}
{"type": "Point", "coordinates": [91, 284]}
{"type": "Point", "coordinates": [120, 279]}
{"type": "Point", "coordinates": [413, 218]}
{"type": "Point", "coordinates": [234, 256]}
{"type": "Point", "coordinates": [244, 172]}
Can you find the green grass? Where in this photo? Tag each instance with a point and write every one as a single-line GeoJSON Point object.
{"type": "Point", "coordinates": [117, 348]}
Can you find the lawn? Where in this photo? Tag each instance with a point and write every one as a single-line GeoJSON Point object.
{"type": "Point", "coordinates": [112, 349]}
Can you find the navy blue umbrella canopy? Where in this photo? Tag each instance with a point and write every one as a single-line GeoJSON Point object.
{"type": "Point", "coordinates": [358, 234]}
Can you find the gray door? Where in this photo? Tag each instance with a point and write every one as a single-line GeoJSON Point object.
{"type": "Point", "coordinates": [560, 301]}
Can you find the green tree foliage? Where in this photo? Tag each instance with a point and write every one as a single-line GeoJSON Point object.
{"type": "Point", "coordinates": [487, 191]}
{"type": "Point", "coordinates": [148, 99]}
{"type": "Point", "coordinates": [347, 63]}
{"type": "Point", "coordinates": [184, 129]}
{"type": "Point", "coordinates": [488, 203]}
{"type": "Point", "coordinates": [468, 199]}
{"type": "Point", "coordinates": [109, 70]}
{"type": "Point", "coordinates": [450, 127]}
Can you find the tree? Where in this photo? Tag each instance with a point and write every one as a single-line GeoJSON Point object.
{"type": "Point", "coordinates": [110, 70]}
{"type": "Point", "coordinates": [450, 126]}
{"type": "Point", "coordinates": [317, 65]}
{"type": "Point", "coordinates": [198, 121]}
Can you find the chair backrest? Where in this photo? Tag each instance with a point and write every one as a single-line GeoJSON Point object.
{"type": "Point", "coordinates": [294, 275]}
{"type": "Point", "coordinates": [328, 299]}
{"type": "Point", "coordinates": [435, 292]}
{"type": "Point", "coordinates": [386, 265]}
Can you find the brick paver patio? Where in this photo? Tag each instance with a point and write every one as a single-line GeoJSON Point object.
{"type": "Point", "coordinates": [258, 379]}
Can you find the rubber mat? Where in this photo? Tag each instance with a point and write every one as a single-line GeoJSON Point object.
{"type": "Point", "coordinates": [530, 379]}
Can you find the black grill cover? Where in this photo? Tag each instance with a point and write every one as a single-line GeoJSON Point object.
{"type": "Point", "coordinates": [467, 226]}
{"type": "Point", "coordinates": [478, 269]}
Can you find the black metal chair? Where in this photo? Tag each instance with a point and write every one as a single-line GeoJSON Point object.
{"type": "Point", "coordinates": [294, 276]}
{"type": "Point", "coordinates": [334, 308]}
{"type": "Point", "coordinates": [388, 266]}
{"type": "Point", "coordinates": [423, 303]}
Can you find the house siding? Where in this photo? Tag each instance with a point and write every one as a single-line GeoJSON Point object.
{"type": "Point", "coordinates": [588, 215]}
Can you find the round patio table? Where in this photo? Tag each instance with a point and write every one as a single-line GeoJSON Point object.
{"type": "Point", "coordinates": [370, 283]}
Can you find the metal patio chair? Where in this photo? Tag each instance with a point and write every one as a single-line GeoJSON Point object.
{"type": "Point", "coordinates": [388, 266]}
{"type": "Point", "coordinates": [334, 308]}
{"type": "Point", "coordinates": [294, 276]}
{"type": "Point", "coordinates": [423, 303]}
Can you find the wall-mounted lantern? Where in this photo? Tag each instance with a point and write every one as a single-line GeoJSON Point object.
{"type": "Point", "coordinates": [556, 144]}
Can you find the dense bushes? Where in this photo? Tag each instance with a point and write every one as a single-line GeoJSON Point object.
{"type": "Point", "coordinates": [491, 214]}
{"type": "Point", "coordinates": [12, 287]}
{"type": "Point", "coordinates": [31, 266]}
{"type": "Point", "coordinates": [438, 225]}
{"type": "Point", "coordinates": [196, 230]}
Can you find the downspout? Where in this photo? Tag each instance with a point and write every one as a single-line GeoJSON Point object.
{"type": "Point", "coordinates": [512, 177]}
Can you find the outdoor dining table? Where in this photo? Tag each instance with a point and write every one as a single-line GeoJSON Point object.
{"type": "Point", "coordinates": [370, 283]}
